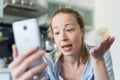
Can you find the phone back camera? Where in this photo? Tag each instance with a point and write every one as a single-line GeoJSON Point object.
{"type": "Point", "coordinates": [25, 27]}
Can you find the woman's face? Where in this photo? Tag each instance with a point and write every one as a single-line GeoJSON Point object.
{"type": "Point", "coordinates": [67, 34]}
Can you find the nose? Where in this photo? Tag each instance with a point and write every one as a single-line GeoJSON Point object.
{"type": "Point", "coordinates": [63, 36]}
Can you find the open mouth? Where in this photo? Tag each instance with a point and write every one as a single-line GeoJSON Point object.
{"type": "Point", "coordinates": [67, 47]}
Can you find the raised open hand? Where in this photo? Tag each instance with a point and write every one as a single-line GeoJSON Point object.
{"type": "Point", "coordinates": [98, 51]}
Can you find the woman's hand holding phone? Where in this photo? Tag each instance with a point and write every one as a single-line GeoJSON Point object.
{"type": "Point", "coordinates": [19, 67]}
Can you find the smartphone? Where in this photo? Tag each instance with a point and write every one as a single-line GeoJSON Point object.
{"type": "Point", "coordinates": [27, 35]}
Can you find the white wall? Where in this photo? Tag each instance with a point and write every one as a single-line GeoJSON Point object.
{"type": "Point", "coordinates": [107, 14]}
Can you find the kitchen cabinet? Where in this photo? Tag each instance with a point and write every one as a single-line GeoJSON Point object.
{"type": "Point", "coordinates": [12, 12]}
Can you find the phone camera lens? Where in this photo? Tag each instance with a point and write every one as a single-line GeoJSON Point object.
{"type": "Point", "coordinates": [25, 27]}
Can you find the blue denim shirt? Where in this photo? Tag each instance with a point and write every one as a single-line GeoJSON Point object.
{"type": "Point", "coordinates": [54, 68]}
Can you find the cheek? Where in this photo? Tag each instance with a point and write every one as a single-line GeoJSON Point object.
{"type": "Point", "coordinates": [76, 39]}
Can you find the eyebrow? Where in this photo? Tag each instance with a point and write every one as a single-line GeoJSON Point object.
{"type": "Point", "coordinates": [69, 24]}
{"type": "Point", "coordinates": [65, 25]}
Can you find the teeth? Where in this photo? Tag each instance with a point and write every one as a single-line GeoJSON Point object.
{"type": "Point", "coordinates": [67, 46]}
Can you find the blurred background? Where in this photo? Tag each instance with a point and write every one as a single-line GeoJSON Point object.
{"type": "Point", "coordinates": [102, 17]}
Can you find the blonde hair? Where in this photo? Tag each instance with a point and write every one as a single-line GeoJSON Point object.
{"type": "Point", "coordinates": [84, 54]}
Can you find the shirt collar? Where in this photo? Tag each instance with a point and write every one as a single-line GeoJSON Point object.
{"type": "Point", "coordinates": [57, 66]}
{"type": "Point", "coordinates": [86, 72]}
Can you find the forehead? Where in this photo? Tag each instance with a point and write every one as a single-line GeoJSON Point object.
{"type": "Point", "coordinates": [62, 19]}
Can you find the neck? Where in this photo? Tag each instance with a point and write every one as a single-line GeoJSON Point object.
{"type": "Point", "coordinates": [68, 60]}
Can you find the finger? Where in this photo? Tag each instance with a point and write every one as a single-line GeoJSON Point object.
{"type": "Point", "coordinates": [27, 62]}
{"type": "Point", "coordinates": [15, 52]}
{"type": "Point", "coordinates": [21, 58]}
{"type": "Point", "coordinates": [29, 74]}
{"type": "Point", "coordinates": [110, 42]}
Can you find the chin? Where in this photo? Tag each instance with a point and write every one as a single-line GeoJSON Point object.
{"type": "Point", "coordinates": [67, 53]}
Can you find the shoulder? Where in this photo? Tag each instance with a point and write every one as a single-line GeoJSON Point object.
{"type": "Point", "coordinates": [106, 54]}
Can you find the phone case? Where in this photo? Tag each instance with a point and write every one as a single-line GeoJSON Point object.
{"type": "Point", "coordinates": [26, 36]}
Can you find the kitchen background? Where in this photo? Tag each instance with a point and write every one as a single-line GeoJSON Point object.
{"type": "Point", "coordinates": [101, 19]}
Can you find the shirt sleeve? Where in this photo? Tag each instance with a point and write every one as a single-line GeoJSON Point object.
{"type": "Point", "coordinates": [109, 65]}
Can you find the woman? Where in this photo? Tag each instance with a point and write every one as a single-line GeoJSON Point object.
{"type": "Point", "coordinates": [75, 60]}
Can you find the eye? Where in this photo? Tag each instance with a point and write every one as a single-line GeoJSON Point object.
{"type": "Point", "coordinates": [70, 30]}
{"type": "Point", "coordinates": [56, 33]}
